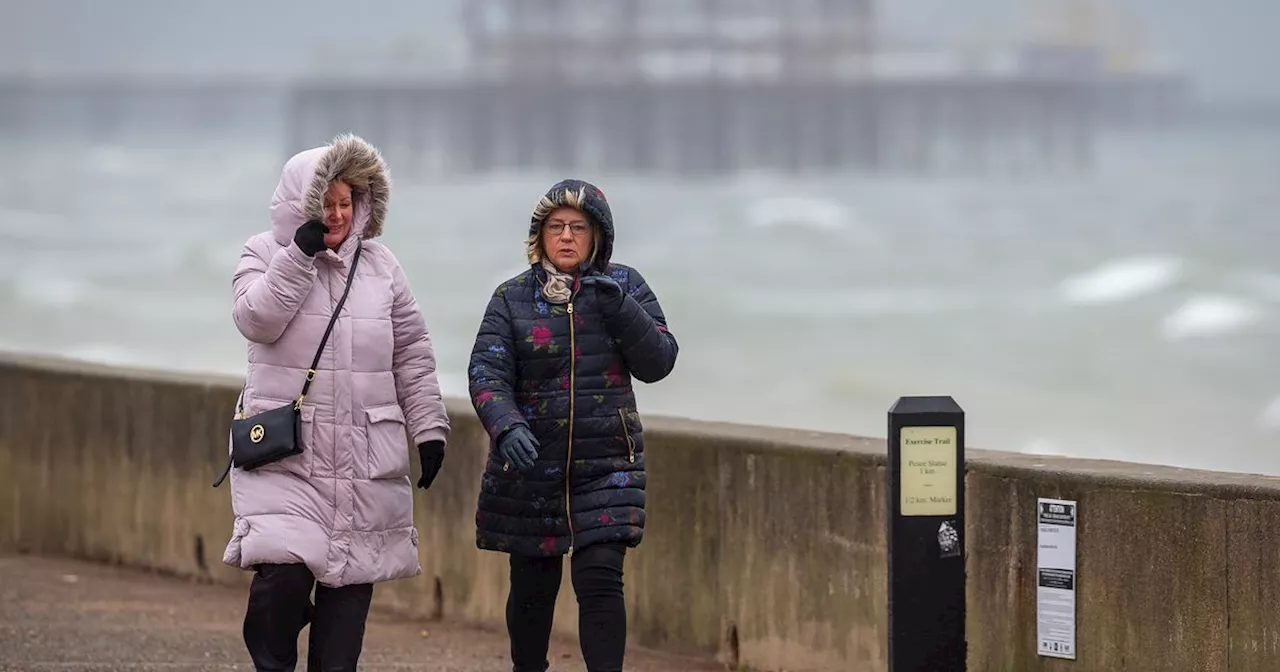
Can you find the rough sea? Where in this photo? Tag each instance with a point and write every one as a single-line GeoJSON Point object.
{"type": "Point", "coordinates": [1132, 312]}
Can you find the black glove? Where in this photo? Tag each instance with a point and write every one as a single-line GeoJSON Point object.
{"type": "Point", "coordinates": [608, 293]}
{"type": "Point", "coordinates": [431, 454]}
{"type": "Point", "coordinates": [518, 447]}
{"type": "Point", "coordinates": [310, 237]}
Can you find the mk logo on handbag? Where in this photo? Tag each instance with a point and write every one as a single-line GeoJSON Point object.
{"type": "Point", "coordinates": [256, 433]}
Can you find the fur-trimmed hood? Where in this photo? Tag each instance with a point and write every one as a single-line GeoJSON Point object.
{"type": "Point", "coordinates": [306, 176]}
{"type": "Point", "coordinates": [579, 195]}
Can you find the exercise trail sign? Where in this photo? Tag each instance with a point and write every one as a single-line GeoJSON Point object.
{"type": "Point", "coordinates": [926, 535]}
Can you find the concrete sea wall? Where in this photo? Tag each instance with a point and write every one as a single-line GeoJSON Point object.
{"type": "Point", "coordinates": [764, 547]}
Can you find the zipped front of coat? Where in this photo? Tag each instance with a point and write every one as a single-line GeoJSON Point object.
{"type": "Point", "coordinates": [573, 396]}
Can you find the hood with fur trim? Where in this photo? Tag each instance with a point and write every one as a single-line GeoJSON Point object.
{"type": "Point", "coordinates": [306, 177]}
{"type": "Point", "coordinates": [582, 196]}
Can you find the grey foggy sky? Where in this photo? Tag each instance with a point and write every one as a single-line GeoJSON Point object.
{"type": "Point", "coordinates": [1226, 45]}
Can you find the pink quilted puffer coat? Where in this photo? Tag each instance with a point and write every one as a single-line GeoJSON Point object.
{"type": "Point", "coordinates": [344, 506]}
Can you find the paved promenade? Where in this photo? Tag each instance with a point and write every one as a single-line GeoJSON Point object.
{"type": "Point", "coordinates": [58, 614]}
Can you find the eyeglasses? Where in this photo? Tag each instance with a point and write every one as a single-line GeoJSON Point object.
{"type": "Point", "coordinates": [579, 229]}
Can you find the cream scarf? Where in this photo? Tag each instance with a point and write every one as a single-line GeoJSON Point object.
{"type": "Point", "coordinates": [559, 286]}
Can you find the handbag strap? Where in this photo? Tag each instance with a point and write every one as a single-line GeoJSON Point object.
{"type": "Point", "coordinates": [311, 372]}
{"type": "Point", "coordinates": [315, 361]}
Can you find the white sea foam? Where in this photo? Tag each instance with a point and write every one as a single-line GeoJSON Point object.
{"type": "Point", "coordinates": [1122, 280]}
{"type": "Point", "coordinates": [804, 212]}
{"type": "Point", "coordinates": [1042, 446]}
{"type": "Point", "coordinates": [1204, 315]}
{"type": "Point", "coordinates": [107, 353]}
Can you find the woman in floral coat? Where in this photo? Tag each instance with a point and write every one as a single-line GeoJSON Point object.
{"type": "Point", "coordinates": [550, 377]}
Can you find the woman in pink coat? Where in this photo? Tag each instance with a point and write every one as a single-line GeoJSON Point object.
{"type": "Point", "coordinates": [339, 515]}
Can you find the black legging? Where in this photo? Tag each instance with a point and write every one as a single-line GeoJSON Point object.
{"type": "Point", "coordinates": [596, 572]}
{"type": "Point", "coordinates": [280, 606]}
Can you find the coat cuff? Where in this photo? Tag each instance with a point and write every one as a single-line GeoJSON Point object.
{"type": "Point", "coordinates": [299, 256]}
{"type": "Point", "coordinates": [433, 434]}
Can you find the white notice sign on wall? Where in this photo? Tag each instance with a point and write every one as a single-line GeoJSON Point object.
{"type": "Point", "coordinates": [1056, 578]}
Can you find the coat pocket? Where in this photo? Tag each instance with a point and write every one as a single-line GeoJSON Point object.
{"type": "Point", "coordinates": [626, 435]}
{"type": "Point", "coordinates": [388, 441]}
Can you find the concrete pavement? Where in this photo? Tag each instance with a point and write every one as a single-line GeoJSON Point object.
{"type": "Point", "coordinates": [60, 614]}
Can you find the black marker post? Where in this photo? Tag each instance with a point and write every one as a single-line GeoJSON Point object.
{"type": "Point", "coordinates": [926, 535]}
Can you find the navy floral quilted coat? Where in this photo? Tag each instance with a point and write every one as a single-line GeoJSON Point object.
{"type": "Point", "coordinates": [566, 372]}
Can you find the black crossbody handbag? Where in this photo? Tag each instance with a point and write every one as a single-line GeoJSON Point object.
{"type": "Point", "coordinates": [275, 434]}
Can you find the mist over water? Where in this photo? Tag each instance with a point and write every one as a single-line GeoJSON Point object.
{"type": "Point", "coordinates": [1130, 313]}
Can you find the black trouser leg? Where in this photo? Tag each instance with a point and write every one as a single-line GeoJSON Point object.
{"type": "Point", "coordinates": [279, 607]}
{"type": "Point", "coordinates": [602, 611]}
{"type": "Point", "coordinates": [337, 627]}
{"type": "Point", "coordinates": [531, 608]}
